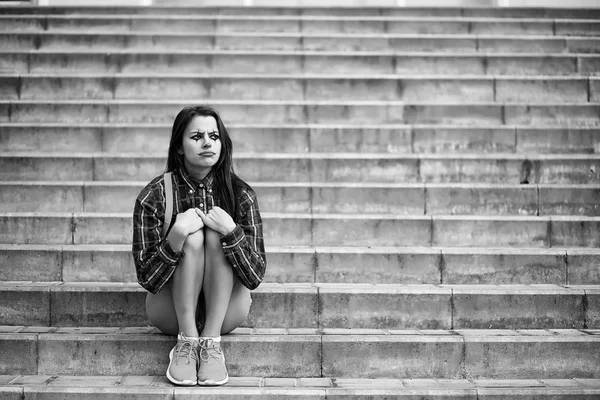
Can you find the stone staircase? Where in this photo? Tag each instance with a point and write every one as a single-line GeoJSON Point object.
{"type": "Point", "coordinates": [429, 182]}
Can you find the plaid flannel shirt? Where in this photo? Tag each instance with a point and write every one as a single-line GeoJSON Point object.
{"type": "Point", "coordinates": [154, 258]}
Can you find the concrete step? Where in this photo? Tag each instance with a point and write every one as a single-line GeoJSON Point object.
{"type": "Point", "coordinates": [307, 23]}
{"type": "Point", "coordinates": [402, 265]}
{"type": "Point", "coordinates": [307, 11]}
{"type": "Point", "coordinates": [479, 114]}
{"type": "Point", "coordinates": [549, 89]}
{"type": "Point", "coordinates": [289, 138]}
{"type": "Point", "coordinates": [398, 354]}
{"type": "Point", "coordinates": [323, 305]}
{"type": "Point", "coordinates": [319, 167]}
{"type": "Point", "coordinates": [343, 198]}
{"type": "Point", "coordinates": [143, 387]}
{"type": "Point", "coordinates": [160, 8]}
{"type": "Point", "coordinates": [328, 230]}
{"type": "Point", "coordinates": [168, 41]}
{"type": "Point", "coordinates": [298, 62]}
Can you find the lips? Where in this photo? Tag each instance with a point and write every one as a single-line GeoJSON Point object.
{"type": "Point", "coordinates": [207, 154]}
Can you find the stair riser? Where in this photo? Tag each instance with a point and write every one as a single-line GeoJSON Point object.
{"type": "Point", "coordinates": [298, 64]}
{"type": "Point", "coordinates": [430, 308]}
{"type": "Point", "coordinates": [423, 266]}
{"type": "Point", "coordinates": [254, 393]}
{"type": "Point", "coordinates": [111, 42]}
{"type": "Point", "coordinates": [412, 90]}
{"type": "Point", "coordinates": [244, 357]}
{"type": "Point", "coordinates": [296, 356]}
{"type": "Point", "coordinates": [325, 231]}
{"type": "Point", "coordinates": [384, 170]}
{"type": "Point", "coordinates": [223, 25]}
{"type": "Point", "coordinates": [501, 359]}
{"type": "Point", "coordinates": [431, 200]}
{"type": "Point", "coordinates": [379, 10]}
{"type": "Point", "coordinates": [398, 140]}
{"type": "Point", "coordinates": [458, 114]}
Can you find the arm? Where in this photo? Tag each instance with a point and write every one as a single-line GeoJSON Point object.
{"type": "Point", "coordinates": [244, 247]}
{"type": "Point", "coordinates": [154, 258]}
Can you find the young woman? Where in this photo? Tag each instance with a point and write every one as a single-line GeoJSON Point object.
{"type": "Point", "coordinates": [200, 274]}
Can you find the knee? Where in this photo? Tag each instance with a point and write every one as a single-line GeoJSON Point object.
{"type": "Point", "coordinates": [212, 240]}
{"type": "Point", "coordinates": [194, 242]}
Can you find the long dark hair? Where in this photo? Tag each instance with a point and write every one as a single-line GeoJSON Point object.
{"type": "Point", "coordinates": [226, 182]}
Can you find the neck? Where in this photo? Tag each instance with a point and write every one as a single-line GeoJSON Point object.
{"type": "Point", "coordinates": [196, 172]}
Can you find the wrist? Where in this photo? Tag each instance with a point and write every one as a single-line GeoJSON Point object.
{"type": "Point", "coordinates": [176, 238]}
{"type": "Point", "coordinates": [228, 229]}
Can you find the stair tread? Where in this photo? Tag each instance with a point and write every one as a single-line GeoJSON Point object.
{"type": "Point", "coordinates": [298, 76]}
{"type": "Point", "coordinates": [319, 53]}
{"type": "Point", "coordinates": [141, 383]}
{"type": "Point", "coordinates": [272, 184]}
{"type": "Point", "coordinates": [361, 18]}
{"type": "Point", "coordinates": [310, 334]}
{"type": "Point", "coordinates": [318, 156]}
{"type": "Point", "coordinates": [352, 288]}
{"type": "Point", "coordinates": [352, 35]}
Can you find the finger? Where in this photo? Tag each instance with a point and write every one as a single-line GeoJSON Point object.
{"type": "Point", "coordinates": [200, 213]}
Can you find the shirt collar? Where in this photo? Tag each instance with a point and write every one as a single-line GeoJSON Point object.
{"type": "Point", "coordinates": [193, 183]}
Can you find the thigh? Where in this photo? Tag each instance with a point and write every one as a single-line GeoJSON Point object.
{"type": "Point", "coordinates": [238, 309]}
{"type": "Point", "coordinates": [161, 311]}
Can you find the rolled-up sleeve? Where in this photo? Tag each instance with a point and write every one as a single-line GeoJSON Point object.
{"type": "Point", "coordinates": [154, 258]}
{"type": "Point", "coordinates": [244, 247]}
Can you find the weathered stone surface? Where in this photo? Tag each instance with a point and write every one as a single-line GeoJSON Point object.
{"type": "Point", "coordinates": [569, 200]}
{"type": "Point", "coordinates": [514, 307]}
{"type": "Point", "coordinates": [47, 137]}
{"type": "Point", "coordinates": [392, 356]}
{"type": "Point", "coordinates": [480, 199]}
{"type": "Point", "coordinates": [583, 266]}
{"type": "Point", "coordinates": [30, 263]}
{"type": "Point", "coordinates": [19, 355]}
{"type": "Point", "coordinates": [557, 140]}
{"type": "Point", "coordinates": [464, 140]}
{"type": "Point", "coordinates": [474, 266]}
{"type": "Point", "coordinates": [25, 228]}
{"type": "Point", "coordinates": [45, 168]}
{"type": "Point", "coordinates": [531, 357]}
{"type": "Point", "coordinates": [385, 307]}
{"type": "Point", "coordinates": [480, 231]}
{"type": "Point", "coordinates": [583, 233]}
{"type": "Point", "coordinates": [413, 265]}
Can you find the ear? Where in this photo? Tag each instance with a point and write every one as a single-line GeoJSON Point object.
{"type": "Point", "coordinates": [179, 151]}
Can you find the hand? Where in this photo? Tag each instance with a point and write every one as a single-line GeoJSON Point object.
{"type": "Point", "coordinates": [218, 220]}
{"type": "Point", "coordinates": [185, 224]}
{"type": "Point", "coordinates": [188, 222]}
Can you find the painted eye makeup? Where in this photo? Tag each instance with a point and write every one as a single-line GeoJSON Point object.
{"type": "Point", "coordinates": [197, 135]}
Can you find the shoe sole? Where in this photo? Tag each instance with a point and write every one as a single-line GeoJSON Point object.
{"type": "Point", "coordinates": [214, 383]}
{"type": "Point", "coordinates": [175, 381]}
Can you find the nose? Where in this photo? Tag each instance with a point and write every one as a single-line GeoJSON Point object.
{"type": "Point", "coordinates": [206, 144]}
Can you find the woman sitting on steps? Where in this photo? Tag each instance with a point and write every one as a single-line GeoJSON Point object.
{"type": "Point", "coordinates": [200, 273]}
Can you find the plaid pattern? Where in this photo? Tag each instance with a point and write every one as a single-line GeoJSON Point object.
{"type": "Point", "coordinates": [155, 260]}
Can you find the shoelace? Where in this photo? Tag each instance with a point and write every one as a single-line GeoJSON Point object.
{"type": "Point", "coordinates": [207, 349]}
{"type": "Point", "coordinates": [188, 350]}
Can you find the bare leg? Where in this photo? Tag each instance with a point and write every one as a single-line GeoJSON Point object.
{"type": "Point", "coordinates": [218, 284]}
{"type": "Point", "coordinates": [186, 284]}
{"type": "Point", "coordinates": [161, 308]}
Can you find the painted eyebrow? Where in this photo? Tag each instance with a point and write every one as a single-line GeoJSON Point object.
{"type": "Point", "coordinates": [199, 131]}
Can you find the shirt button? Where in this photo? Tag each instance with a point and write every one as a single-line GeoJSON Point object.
{"type": "Point", "coordinates": [209, 190]}
{"type": "Point", "coordinates": [191, 191]}
{"type": "Point", "coordinates": [202, 185]}
{"type": "Point", "coordinates": [224, 244]}
{"type": "Point", "coordinates": [201, 205]}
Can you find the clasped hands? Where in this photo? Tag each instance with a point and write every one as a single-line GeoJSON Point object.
{"type": "Point", "coordinates": [216, 219]}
